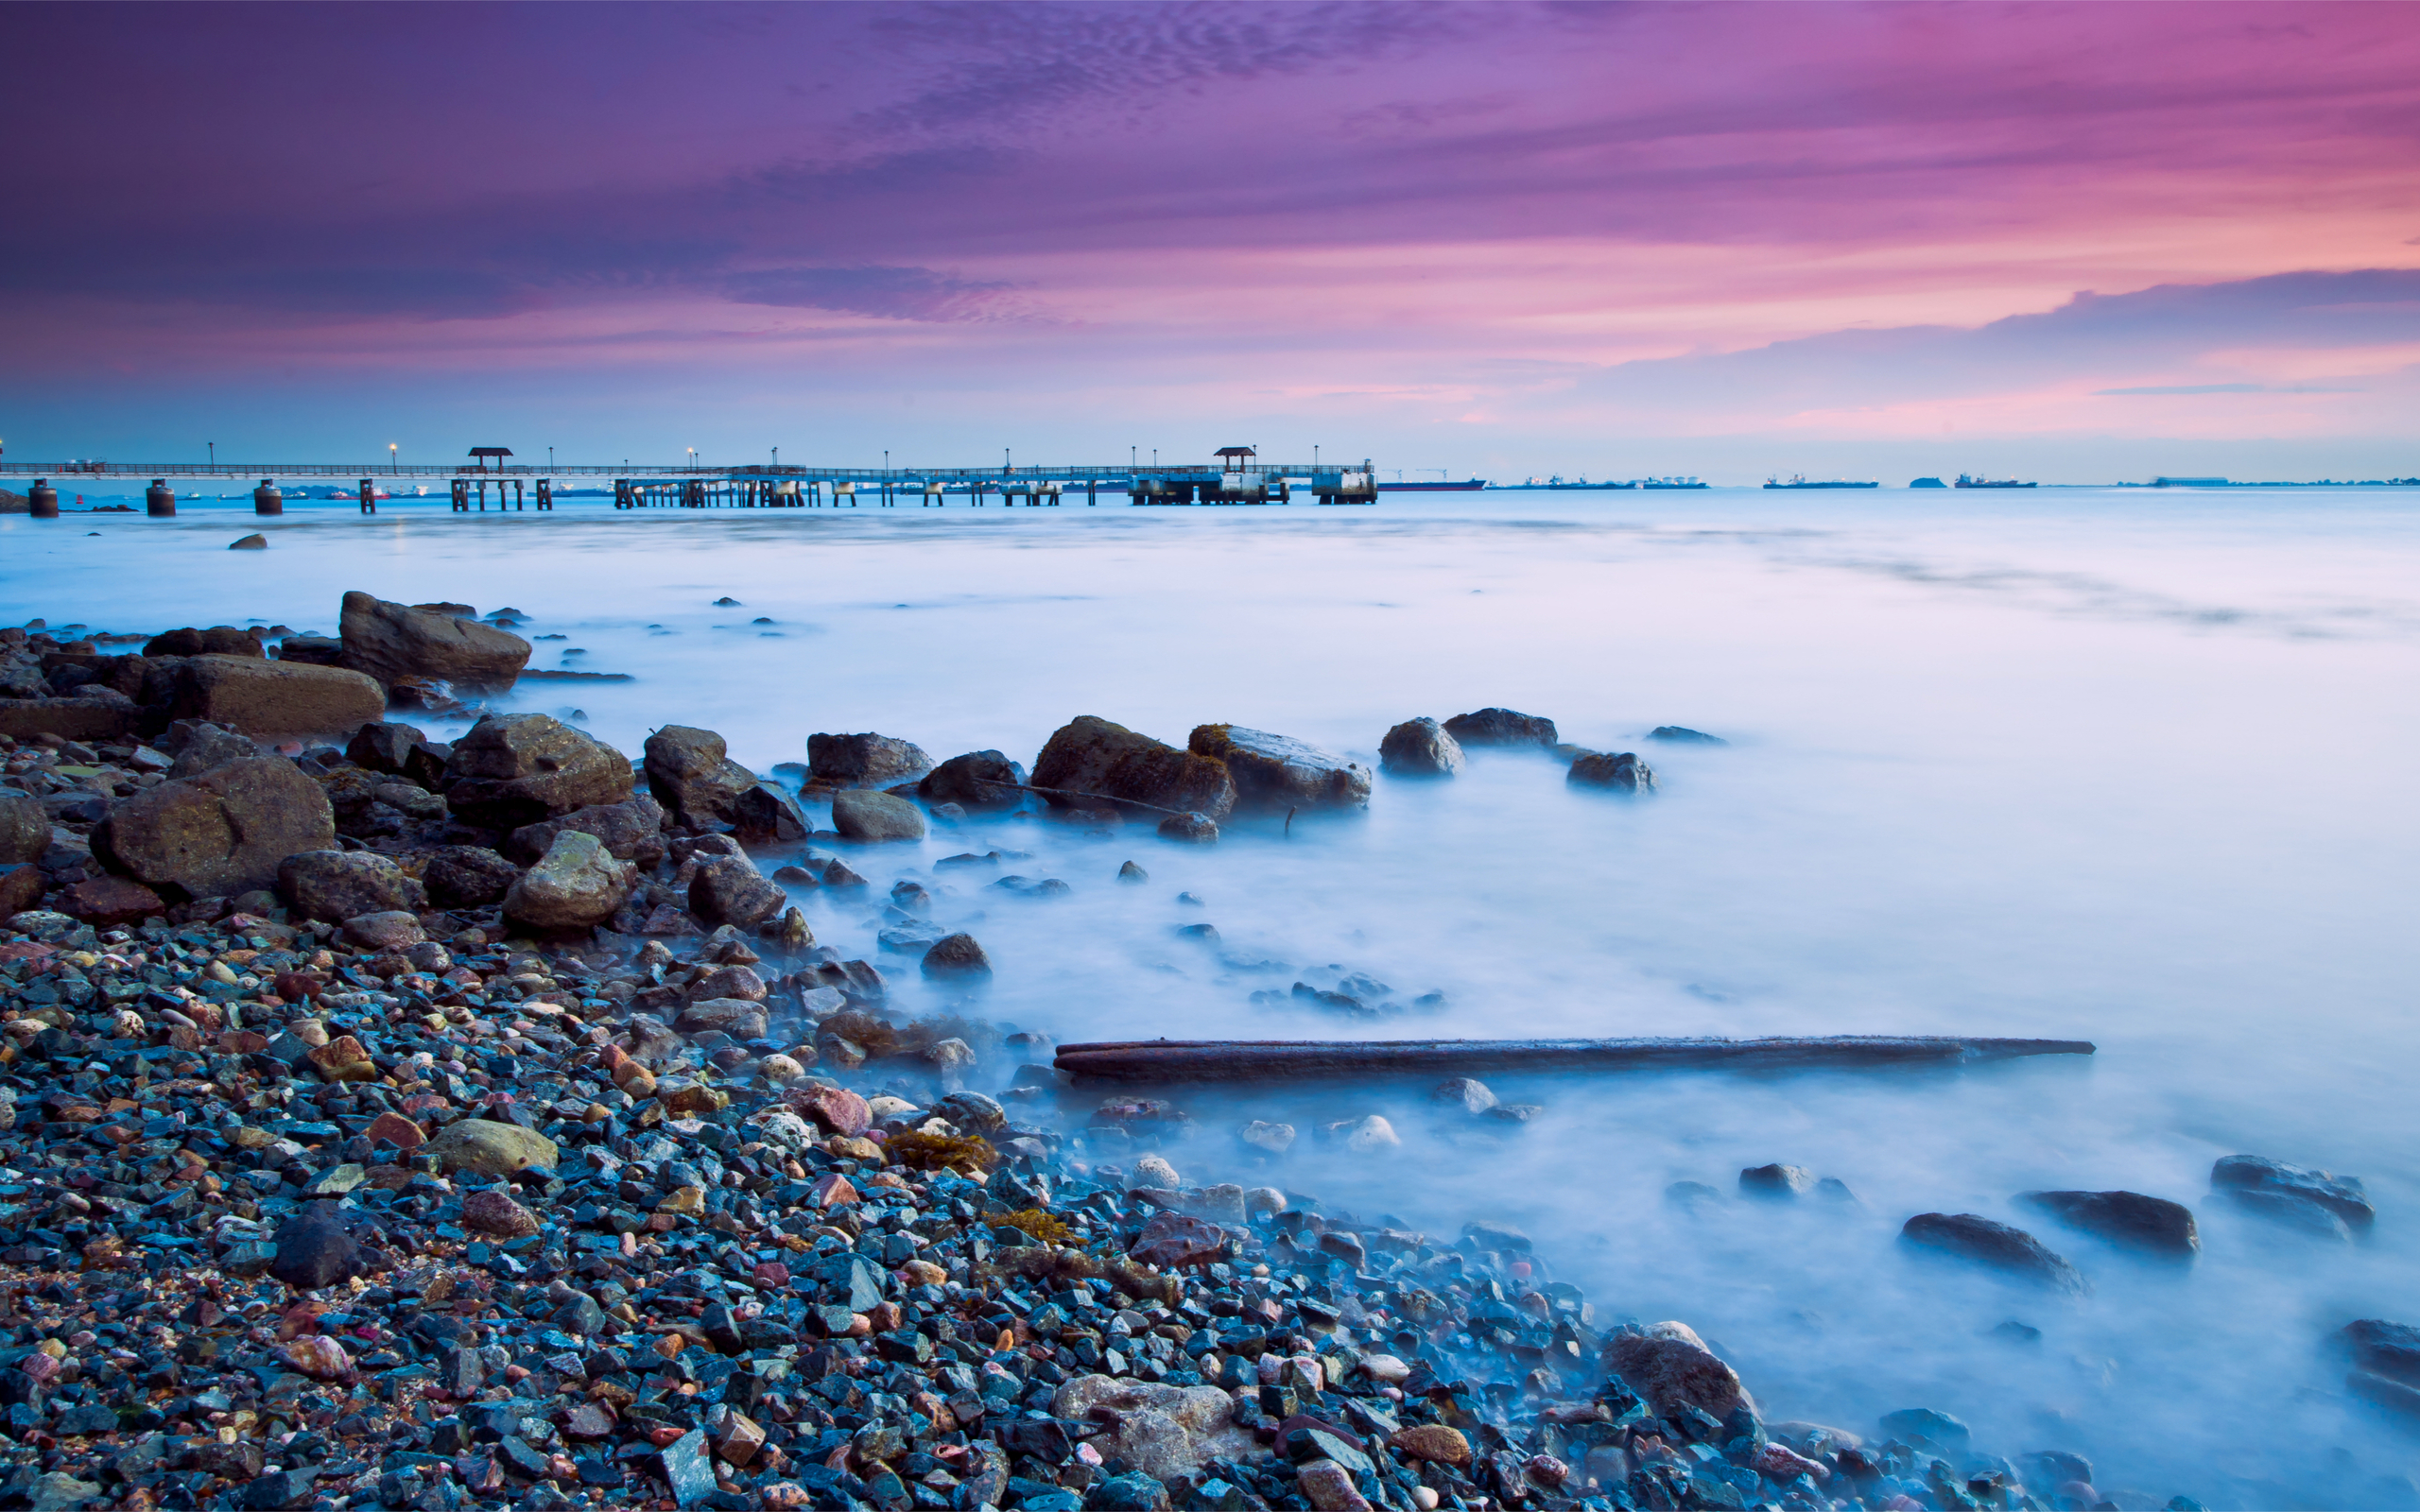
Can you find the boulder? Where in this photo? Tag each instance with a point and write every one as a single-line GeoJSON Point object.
{"type": "Point", "coordinates": [978, 779]}
{"type": "Point", "coordinates": [217, 834]}
{"type": "Point", "coordinates": [24, 828]}
{"type": "Point", "coordinates": [1090, 755]}
{"type": "Point", "coordinates": [861, 813]}
{"type": "Point", "coordinates": [206, 746]}
{"type": "Point", "coordinates": [691, 774]}
{"type": "Point", "coordinates": [633, 830]}
{"type": "Point", "coordinates": [1669, 1366]}
{"type": "Point", "coordinates": [266, 698]}
{"type": "Point", "coordinates": [336, 886]}
{"type": "Point", "coordinates": [518, 770]}
{"type": "Point", "coordinates": [490, 1148]}
{"type": "Point", "coordinates": [575, 885]}
{"type": "Point", "coordinates": [1621, 773]}
{"type": "Point", "coordinates": [2390, 1349]}
{"type": "Point", "coordinates": [2129, 1218]}
{"type": "Point", "coordinates": [94, 714]}
{"type": "Point", "coordinates": [1501, 726]}
{"type": "Point", "coordinates": [21, 888]}
{"type": "Point", "coordinates": [1421, 747]}
{"type": "Point", "coordinates": [105, 902]}
{"type": "Point", "coordinates": [1280, 772]}
{"type": "Point", "coordinates": [391, 641]}
{"type": "Point", "coordinates": [1780, 1181]}
{"type": "Point", "coordinates": [398, 751]}
{"type": "Point", "coordinates": [766, 814]}
{"type": "Point", "coordinates": [1161, 1431]}
{"type": "Point", "coordinates": [730, 890]}
{"type": "Point", "coordinates": [863, 761]}
{"type": "Point", "coordinates": [2275, 1188]}
{"type": "Point", "coordinates": [957, 956]}
{"type": "Point", "coordinates": [219, 640]}
{"type": "Point", "coordinates": [319, 650]}
{"type": "Point", "coordinates": [466, 876]}
{"type": "Point", "coordinates": [1996, 1246]}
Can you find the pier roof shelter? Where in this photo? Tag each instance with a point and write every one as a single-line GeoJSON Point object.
{"type": "Point", "coordinates": [484, 452]}
{"type": "Point", "coordinates": [1236, 452]}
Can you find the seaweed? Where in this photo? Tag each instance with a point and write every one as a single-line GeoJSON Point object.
{"type": "Point", "coordinates": [931, 1152]}
{"type": "Point", "coordinates": [1034, 1222]}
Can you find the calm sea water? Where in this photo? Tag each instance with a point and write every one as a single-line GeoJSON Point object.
{"type": "Point", "coordinates": [2118, 765]}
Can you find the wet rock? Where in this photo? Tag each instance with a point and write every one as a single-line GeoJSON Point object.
{"type": "Point", "coordinates": [730, 890]}
{"type": "Point", "coordinates": [394, 642]}
{"type": "Point", "coordinates": [315, 1250]}
{"type": "Point", "coordinates": [862, 814]}
{"type": "Point", "coordinates": [1421, 747]}
{"type": "Point", "coordinates": [267, 698]}
{"type": "Point", "coordinates": [463, 876]}
{"type": "Point", "coordinates": [957, 956]}
{"type": "Point", "coordinates": [1162, 1431]}
{"type": "Point", "coordinates": [835, 1109]}
{"type": "Point", "coordinates": [490, 1148]}
{"type": "Point", "coordinates": [1924, 1427]}
{"type": "Point", "coordinates": [978, 779]}
{"type": "Point", "coordinates": [1621, 772]}
{"type": "Point", "coordinates": [2276, 1188]}
{"type": "Point", "coordinates": [219, 640]}
{"type": "Point", "coordinates": [1090, 755]}
{"type": "Point", "coordinates": [691, 774]}
{"type": "Point", "coordinates": [1130, 874]}
{"type": "Point", "coordinates": [21, 887]}
{"type": "Point", "coordinates": [740, 1017]}
{"type": "Point", "coordinates": [864, 760]}
{"type": "Point", "coordinates": [1432, 1444]}
{"type": "Point", "coordinates": [631, 830]}
{"type": "Point", "coordinates": [1995, 1246]}
{"type": "Point", "coordinates": [1176, 1241]}
{"type": "Point", "coordinates": [24, 828]}
{"type": "Point", "coordinates": [206, 746]}
{"type": "Point", "coordinates": [1192, 829]}
{"type": "Point", "coordinates": [1368, 1135]}
{"type": "Point", "coordinates": [388, 930]}
{"type": "Point", "coordinates": [105, 902]}
{"type": "Point", "coordinates": [339, 885]}
{"type": "Point", "coordinates": [515, 769]}
{"type": "Point", "coordinates": [2152, 1225]}
{"type": "Point", "coordinates": [578, 884]}
{"type": "Point", "coordinates": [491, 1211]}
{"type": "Point", "coordinates": [1267, 1138]}
{"type": "Point", "coordinates": [2390, 1349]}
{"type": "Point", "coordinates": [1501, 726]}
{"type": "Point", "coordinates": [1684, 736]}
{"type": "Point", "coordinates": [2396, 1396]}
{"type": "Point", "coordinates": [396, 749]}
{"type": "Point", "coordinates": [1277, 772]}
{"type": "Point", "coordinates": [1328, 1487]}
{"type": "Point", "coordinates": [1782, 1181]}
{"type": "Point", "coordinates": [1470, 1095]}
{"type": "Point", "coordinates": [1669, 1366]}
{"type": "Point", "coordinates": [217, 834]}
{"type": "Point", "coordinates": [767, 816]}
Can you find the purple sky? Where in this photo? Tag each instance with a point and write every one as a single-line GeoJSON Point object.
{"type": "Point", "coordinates": [2074, 242]}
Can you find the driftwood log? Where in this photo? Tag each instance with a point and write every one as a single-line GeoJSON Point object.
{"type": "Point", "coordinates": [1199, 1061]}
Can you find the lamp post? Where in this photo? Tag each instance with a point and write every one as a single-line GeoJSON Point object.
{"type": "Point", "coordinates": [395, 463]}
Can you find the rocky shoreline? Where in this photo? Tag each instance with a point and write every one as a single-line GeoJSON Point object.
{"type": "Point", "coordinates": [414, 1124]}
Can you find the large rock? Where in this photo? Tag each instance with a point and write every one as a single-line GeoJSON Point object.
{"type": "Point", "coordinates": [766, 814]}
{"type": "Point", "coordinates": [1090, 755]}
{"type": "Point", "coordinates": [1501, 726]}
{"type": "Point", "coordinates": [391, 641]}
{"type": "Point", "coordinates": [730, 890]}
{"type": "Point", "coordinates": [24, 828]}
{"type": "Point", "coordinates": [575, 885]}
{"type": "Point", "coordinates": [1162, 1431]}
{"type": "Point", "coordinates": [217, 834]}
{"type": "Point", "coordinates": [1421, 747]}
{"type": "Point", "coordinates": [266, 698]}
{"type": "Point", "coordinates": [336, 886]}
{"type": "Point", "coordinates": [978, 779]}
{"type": "Point", "coordinates": [105, 902]}
{"type": "Point", "coordinates": [1996, 1246]}
{"type": "Point", "coordinates": [219, 640]}
{"type": "Point", "coordinates": [691, 773]}
{"type": "Point", "coordinates": [465, 876]}
{"type": "Point", "coordinates": [490, 1148]}
{"type": "Point", "coordinates": [206, 746]}
{"type": "Point", "coordinates": [1671, 1367]}
{"type": "Point", "coordinates": [1277, 771]}
{"type": "Point", "coordinates": [1619, 772]}
{"type": "Point", "coordinates": [398, 751]}
{"type": "Point", "coordinates": [957, 956]}
{"type": "Point", "coordinates": [862, 814]}
{"type": "Point", "coordinates": [95, 715]}
{"type": "Point", "coordinates": [2275, 1187]}
{"type": "Point", "coordinates": [633, 830]}
{"type": "Point", "coordinates": [518, 770]}
{"type": "Point", "coordinates": [863, 761]}
{"type": "Point", "coordinates": [2128, 1218]}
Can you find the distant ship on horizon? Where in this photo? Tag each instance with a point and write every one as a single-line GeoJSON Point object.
{"type": "Point", "coordinates": [1965, 482]}
{"type": "Point", "coordinates": [1441, 486]}
{"type": "Point", "coordinates": [1799, 481]}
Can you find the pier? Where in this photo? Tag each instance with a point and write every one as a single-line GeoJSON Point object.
{"type": "Point", "coordinates": [1236, 475]}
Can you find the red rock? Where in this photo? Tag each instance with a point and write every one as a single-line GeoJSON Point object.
{"type": "Point", "coordinates": [109, 902]}
{"type": "Point", "coordinates": [296, 986]}
{"type": "Point", "coordinates": [1784, 1465]}
{"type": "Point", "coordinates": [320, 1357]}
{"type": "Point", "coordinates": [832, 1190]}
{"type": "Point", "coordinates": [1173, 1241]}
{"type": "Point", "coordinates": [20, 889]}
{"type": "Point", "coordinates": [1434, 1442]}
{"type": "Point", "coordinates": [774, 1274]}
{"type": "Point", "coordinates": [488, 1211]}
{"type": "Point", "coordinates": [590, 1421]}
{"type": "Point", "coordinates": [836, 1108]}
{"type": "Point", "coordinates": [397, 1130]}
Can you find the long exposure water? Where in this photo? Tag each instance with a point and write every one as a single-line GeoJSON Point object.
{"type": "Point", "coordinates": [2123, 765]}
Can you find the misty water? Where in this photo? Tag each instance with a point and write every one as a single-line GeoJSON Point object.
{"type": "Point", "coordinates": [2110, 764]}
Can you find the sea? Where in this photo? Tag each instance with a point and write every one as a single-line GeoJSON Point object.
{"type": "Point", "coordinates": [2132, 766]}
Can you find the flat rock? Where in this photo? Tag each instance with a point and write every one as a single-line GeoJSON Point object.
{"type": "Point", "coordinates": [218, 834]}
{"type": "Point", "coordinates": [105, 902]}
{"type": "Point", "coordinates": [2261, 1176]}
{"type": "Point", "coordinates": [1162, 1431]}
{"type": "Point", "coordinates": [1278, 771]}
{"type": "Point", "coordinates": [490, 1148]}
{"type": "Point", "coordinates": [1091, 755]}
{"type": "Point", "coordinates": [1175, 1241]}
{"type": "Point", "coordinates": [2153, 1224]}
{"type": "Point", "coordinates": [861, 813]}
{"type": "Point", "coordinates": [270, 698]}
{"type": "Point", "coordinates": [1501, 726]}
{"type": "Point", "coordinates": [392, 641]}
{"type": "Point", "coordinates": [1684, 736]}
{"type": "Point", "coordinates": [1996, 1246]}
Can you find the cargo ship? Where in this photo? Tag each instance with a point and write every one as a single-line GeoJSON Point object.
{"type": "Point", "coordinates": [1965, 482]}
{"type": "Point", "coordinates": [1557, 483]}
{"type": "Point", "coordinates": [1798, 482]}
{"type": "Point", "coordinates": [1441, 486]}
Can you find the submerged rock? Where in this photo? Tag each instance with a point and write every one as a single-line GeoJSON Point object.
{"type": "Point", "coordinates": [1783, 1181]}
{"type": "Point", "coordinates": [1997, 1246]}
{"type": "Point", "coordinates": [1684, 736]}
{"type": "Point", "coordinates": [1621, 772]}
{"type": "Point", "coordinates": [1090, 755]}
{"type": "Point", "coordinates": [1277, 771]}
{"type": "Point", "coordinates": [1421, 747]}
{"type": "Point", "coordinates": [864, 760]}
{"type": "Point", "coordinates": [1501, 726]}
{"type": "Point", "coordinates": [2153, 1224]}
{"type": "Point", "coordinates": [2293, 1193]}
{"type": "Point", "coordinates": [862, 814]}
{"type": "Point", "coordinates": [978, 779]}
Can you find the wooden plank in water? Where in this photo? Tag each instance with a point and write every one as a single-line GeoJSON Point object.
{"type": "Point", "coordinates": [1199, 1061]}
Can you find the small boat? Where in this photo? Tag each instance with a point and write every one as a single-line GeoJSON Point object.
{"type": "Point", "coordinates": [1796, 481]}
{"type": "Point", "coordinates": [1965, 482]}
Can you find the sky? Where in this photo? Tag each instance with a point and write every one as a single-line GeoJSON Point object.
{"type": "Point", "coordinates": [2077, 243]}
